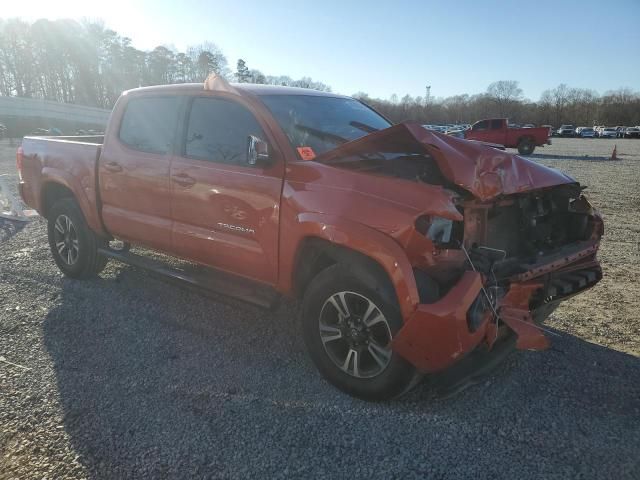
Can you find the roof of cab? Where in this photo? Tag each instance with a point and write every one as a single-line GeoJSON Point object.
{"type": "Point", "coordinates": [250, 88]}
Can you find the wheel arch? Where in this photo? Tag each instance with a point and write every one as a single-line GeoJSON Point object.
{"type": "Point", "coordinates": [319, 254]}
{"type": "Point", "coordinates": [321, 241]}
{"type": "Point", "coordinates": [57, 184]}
{"type": "Point", "coordinates": [526, 137]}
{"type": "Point", "coordinates": [52, 192]}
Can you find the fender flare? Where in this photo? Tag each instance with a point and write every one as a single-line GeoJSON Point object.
{"type": "Point", "coordinates": [60, 177]}
{"type": "Point", "coordinates": [371, 243]}
{"type": "Point", "coordinates": [526, 137]}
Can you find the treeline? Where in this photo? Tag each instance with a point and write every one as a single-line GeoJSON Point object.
{"type": "Point", "coordinates": [561, 105]}
{"type": "Point", "coordinates": [86, 63]}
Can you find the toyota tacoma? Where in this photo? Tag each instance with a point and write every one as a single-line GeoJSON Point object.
{"type": "Point", "coordinates": [410, 251]}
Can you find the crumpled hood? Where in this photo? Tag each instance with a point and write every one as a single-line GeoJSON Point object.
{"type": "Point", "coordinates": [482, 170]}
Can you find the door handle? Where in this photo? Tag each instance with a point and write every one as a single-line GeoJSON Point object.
{"type": "Point", "coordinates": [183, 179]}
{"type": "Point", "coordinates": [113, 167]}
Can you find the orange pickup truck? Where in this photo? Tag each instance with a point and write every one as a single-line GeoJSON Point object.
{"type": "Point", "coordinates": [498, 131]}
{"type": "Point", "coordinates": [413, 253]}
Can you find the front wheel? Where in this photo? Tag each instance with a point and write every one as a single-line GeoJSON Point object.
{"type": "Point", "coordinates": [347, 328]}
{"type": "Point", "coordinates": [73, 245]}
{"type": "Point", "coordinates": [526, 146]}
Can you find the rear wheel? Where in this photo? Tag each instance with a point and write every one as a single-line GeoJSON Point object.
{"type": "Point", "coordinates": [526, 146]}
{"type": "Point", "coordinates": [348, 327]}
{"type": "Point", "coordinates": [73, 245]}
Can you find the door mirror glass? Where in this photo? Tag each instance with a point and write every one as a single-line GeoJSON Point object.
{"type": "Point", "coordinates": [257, 150]}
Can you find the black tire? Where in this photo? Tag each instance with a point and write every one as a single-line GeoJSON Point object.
{"type": "Point", "coordinates": [78, 257]}
{"type": "Point", "coordinates": [526, 146]}
{"type": "Point", "coordinates": [392, 380]}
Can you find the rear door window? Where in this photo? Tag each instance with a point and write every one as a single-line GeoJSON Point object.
{"type": "Point", "coordinates": [496, 124]}
{"type": "Point", "coordinates": [149, 123]}
{"type": "Point", "coordinates": [218, 131]}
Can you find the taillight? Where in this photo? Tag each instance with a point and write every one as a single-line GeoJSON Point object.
{"type": "Point", "coordinates": [19, 158]}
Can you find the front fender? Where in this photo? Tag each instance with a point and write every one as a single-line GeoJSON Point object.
{"type": "Point", "coordinates": [375, 245]}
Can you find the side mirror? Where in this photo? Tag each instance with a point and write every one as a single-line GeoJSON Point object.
{"type": "Point", "coordinates": [257, 150]}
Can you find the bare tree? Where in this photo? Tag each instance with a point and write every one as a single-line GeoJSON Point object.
{"type": "Point", "coordinates": [506, 94]}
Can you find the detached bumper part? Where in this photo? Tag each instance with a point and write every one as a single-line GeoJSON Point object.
{"type": "Point", "coordinates": [437, 334]}
{"type": "Point", "coordinates": [441, 333]}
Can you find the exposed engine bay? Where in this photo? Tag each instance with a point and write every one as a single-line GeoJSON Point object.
{"type": "Point", "coordinates": [549, 237]}
{"type": "Point", "coordinates": [519, 220]}
{"type": "Point", "coordinates": [501, 238]}
{"type": "Point", "coordinates": [521, 229]}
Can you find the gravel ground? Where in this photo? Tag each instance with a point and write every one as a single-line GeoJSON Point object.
{"type": "Point", "coordinates": [127, 376]}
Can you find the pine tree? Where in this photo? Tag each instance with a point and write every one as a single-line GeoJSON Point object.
{"type": "Point", "coordinates": [242, 72]}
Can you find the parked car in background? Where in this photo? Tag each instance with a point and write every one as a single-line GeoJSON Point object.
{"type": "Point", "coordinates": [528, 125]}
{"type": "Point", "coordinates": [620, 131]}
{"type": "Point", "coordinates": [567, 131]}
{"type": "Point", "coordinates": [3, 131]}
{"type": "Point", "coordinates": [587, 132]}
{"type": "Point", "coordinates": [551, 129]}
{"type": "Point", "coordinates": [456, 132]}
{"type": "Point", "coordinates": [632, 132]}
{"type": "Point", "coordinates": [609, 132]}
{"type": "Point", "coordinates": [496, 130]}
{"type": "Point", "coordinates": [408, 249]}
{"type": "Point", "coordinates": [448, 129]}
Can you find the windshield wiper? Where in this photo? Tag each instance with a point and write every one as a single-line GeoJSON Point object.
{"type": "Point", "coordinates": [320, 134]}
{"type": "Point", "coordinates": [363, 126]}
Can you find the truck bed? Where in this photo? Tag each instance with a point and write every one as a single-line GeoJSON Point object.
{"type": "Point", "coordinates": [70, 162]}
{"type": "Point", "coordinates": [539, 134]}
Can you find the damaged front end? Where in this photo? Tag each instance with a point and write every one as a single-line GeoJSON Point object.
{"type": "Point", "coordinates": [502, 271]}
{"type": "Point", "coordinates": [522, 239]}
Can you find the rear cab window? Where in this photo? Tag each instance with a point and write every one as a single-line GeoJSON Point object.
{"type": "Point", "coordinates": [149, 123]}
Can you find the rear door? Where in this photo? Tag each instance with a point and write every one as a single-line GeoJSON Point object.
{"type": "Point", "coordinates": [134, 171]}
{"type": "Point", "coordinates": [225, 211]}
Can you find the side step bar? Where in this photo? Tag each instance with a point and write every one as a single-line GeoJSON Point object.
{"type": "Point", "coordinates": [203, 278]}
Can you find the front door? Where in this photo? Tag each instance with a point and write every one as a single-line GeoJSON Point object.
{"type": "Point", "coordinates": [225, 211]}
{"type": "Point", "coordinates": [134, 172]}
{"type": "Point", "coordinates": [482, 131]}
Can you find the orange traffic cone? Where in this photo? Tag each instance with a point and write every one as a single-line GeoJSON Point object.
{"type": "Point", "coordinates": [613, 154]}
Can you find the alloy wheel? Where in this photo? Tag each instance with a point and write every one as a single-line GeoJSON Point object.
{"type": "Point", "coordinates": [355, 334]}
{"type": "Point", "coordinates": [66, 241]}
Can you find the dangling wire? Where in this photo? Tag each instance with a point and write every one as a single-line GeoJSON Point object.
{"type": "Point", "coordinates": [491, 304]}
{"type": "Point", "coordinates": [484, 290]}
